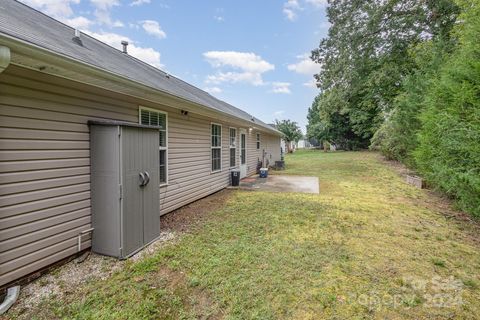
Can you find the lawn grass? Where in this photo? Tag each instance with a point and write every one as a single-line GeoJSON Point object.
{"type": "Point", "coordinates": [369, 246]}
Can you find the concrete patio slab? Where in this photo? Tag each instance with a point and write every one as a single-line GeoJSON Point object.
{"type": "Point", "coordinates": [281, 183]}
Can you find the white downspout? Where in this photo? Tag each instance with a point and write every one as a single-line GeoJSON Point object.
{"type": "Point", "coordinates": [4, 58]}
{"type": "Point", "coordinates": [12, 293]}
{"type": "Point", "coordinates": [11, 297]}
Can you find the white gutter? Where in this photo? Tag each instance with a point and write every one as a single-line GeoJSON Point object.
{"type": "Point", "coordinates": [4, 58]}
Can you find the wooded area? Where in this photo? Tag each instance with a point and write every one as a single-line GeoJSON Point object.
{"type": "Point", "coordinates": [403, 77]}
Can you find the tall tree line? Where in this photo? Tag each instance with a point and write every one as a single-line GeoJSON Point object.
{"type": "Point", "coordinates": [403, 77]}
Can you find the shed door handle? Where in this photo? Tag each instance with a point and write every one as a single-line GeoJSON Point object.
{"type": "Point", "coordinates": [142, 179]}
{"type": "Point", "coordinates": [148, 178]}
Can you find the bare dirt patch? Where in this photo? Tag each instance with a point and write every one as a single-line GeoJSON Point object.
{"type": "Point", "coordinates": [397, 166]}
{"type": "Point", "coordinates": [194, 214]}
{"type": "Point", "coordinates": [196, 299]}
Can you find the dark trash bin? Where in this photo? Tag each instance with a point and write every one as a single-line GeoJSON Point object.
{"type": "Point", "coordinates": [263, 172]}
{"type": "Point", "coordinates": [235, 176]}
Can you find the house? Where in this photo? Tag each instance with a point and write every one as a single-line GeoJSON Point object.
{"type": "Point", "coordinates": [56, 84]}
{"type": "Point", "coordinates": [303, 144]}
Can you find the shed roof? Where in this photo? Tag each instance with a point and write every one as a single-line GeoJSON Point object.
{"type": "Point", "coordinates": [19, 21]}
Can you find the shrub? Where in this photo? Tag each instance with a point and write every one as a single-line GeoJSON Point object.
{"type": "Point", "coordinates": [397, 137]}
{"type": "Point", "coordinates": [448, 154]}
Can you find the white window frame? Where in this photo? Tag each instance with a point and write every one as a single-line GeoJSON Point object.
{"type": "Point", "coordinates": [258, 141]}
{"type": "Point", "coordinates": [232, 147]}
{"type": "Point", "coordinates": [140, 108]}
{"type": "Point", "coordinates": [217, 147]}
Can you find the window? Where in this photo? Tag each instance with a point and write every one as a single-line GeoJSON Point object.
{"type": "Point", "coordinates": [233, 146]}
{"type": "Point", "coordinates": [258, 141]}
{"type": "Point", "coordinates": [158, 119]}
{"type": "Point", "coordinates": [216, 147]}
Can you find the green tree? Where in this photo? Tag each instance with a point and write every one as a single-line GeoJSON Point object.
{"type": "Point", "coordinates": [331, 127]}
{"type": "Point", "coordinates": [291, 132]}
{"type": "Point", "coordinates": [405, 75]}
{"type": "Point", "coordinates": [448, 155]}
{"type": "Point", "coordinates": [365, 59]}
{"type": "Point", "coordinates": [397, 136]}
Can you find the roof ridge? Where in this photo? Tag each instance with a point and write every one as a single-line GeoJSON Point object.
{"type": "Point", "coordinates": [28, 24]}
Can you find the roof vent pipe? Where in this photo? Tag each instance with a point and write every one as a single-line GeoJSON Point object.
{"type": "Point", "coordinates": [76, 38]}
{"type": "Point", "coordinates": [124, 44]}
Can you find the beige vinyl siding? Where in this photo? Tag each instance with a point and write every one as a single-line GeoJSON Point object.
{"type": "Point", "coordinates": [45, 164]}
{"type": "Point", "coordinates": [269, 143]}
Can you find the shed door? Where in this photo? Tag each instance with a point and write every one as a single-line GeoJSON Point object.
{"type": "Point", "coordinates": [141, 213]}
{"type": "Point", "coordinates": [132, 199]}
{"type": "Point", "coordinates": [151, 192]}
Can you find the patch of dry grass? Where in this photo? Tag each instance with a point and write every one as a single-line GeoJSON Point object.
{"type": "Point", "coordinates": [368, 246]}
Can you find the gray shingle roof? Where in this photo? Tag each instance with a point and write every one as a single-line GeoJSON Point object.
{"type": "Point", "coordinates": [20, 21]}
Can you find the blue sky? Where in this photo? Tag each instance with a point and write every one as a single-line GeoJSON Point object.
{"type": "Point", "coordinates": [252, 54]}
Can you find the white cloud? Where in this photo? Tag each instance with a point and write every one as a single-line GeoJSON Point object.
{"type": "Point", "coordinates": [318, 3]}
{"type": "Point", "coordinates": [55, 8]}
{"type": "Point", "coordinates": [234, 77]}
{"type": "Point", "coordinates": [311, 84]}
{"type": "Point", "coordinates": [148, 55]}
{"type": "Point", "coordinates": [325, 25]}
{"type": "Point", "coordinates": [219, 18]}
{"type": "Point", "coordinates": [305, 66]}
{"type": "Point", "coordinates": [250, 66]}
{"type": "Point", "coordinates": [103, 17]}
{"type": "Point", "coordinates": [278, 113]}
{"type": "Point", "coordinates": [281, 87]}
{"type": "Point", "coordinates": [153, 28]}
{"type": "Point", "coordinates": [134, 26]}
{"type": "Point", "coordinates": [78, 22]}
{"type": "Point", "coordinates": [104, 4]}
{"type": "Point", "coordinates": [290, 14]}
{"type": "Point", "coordinates": [139, 2]}
{"type": "Point", "coordinates": [322, 28]}
{"type": "Point", "coordinates": [290, 9]}
{"type": "Point", "coordinates": [213, 90]}
{"type": "Point", "coordinates": [102, 12]}
{"type": "Point", "coordinates": [246, 61]}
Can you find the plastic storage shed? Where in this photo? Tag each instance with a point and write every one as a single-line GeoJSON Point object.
{"type": "Point", "coordinates": [124, 187]}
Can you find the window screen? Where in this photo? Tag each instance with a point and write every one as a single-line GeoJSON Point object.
{"type": "Point", "coordinates": [216, 147]}
{"type": "Point", "coordinates": [233, 146]}
{"type": "Point", "coordinates": [158, 119]}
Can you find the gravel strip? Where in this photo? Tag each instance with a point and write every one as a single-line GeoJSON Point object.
{"type": "Point", "coordinates": [66, 278]}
